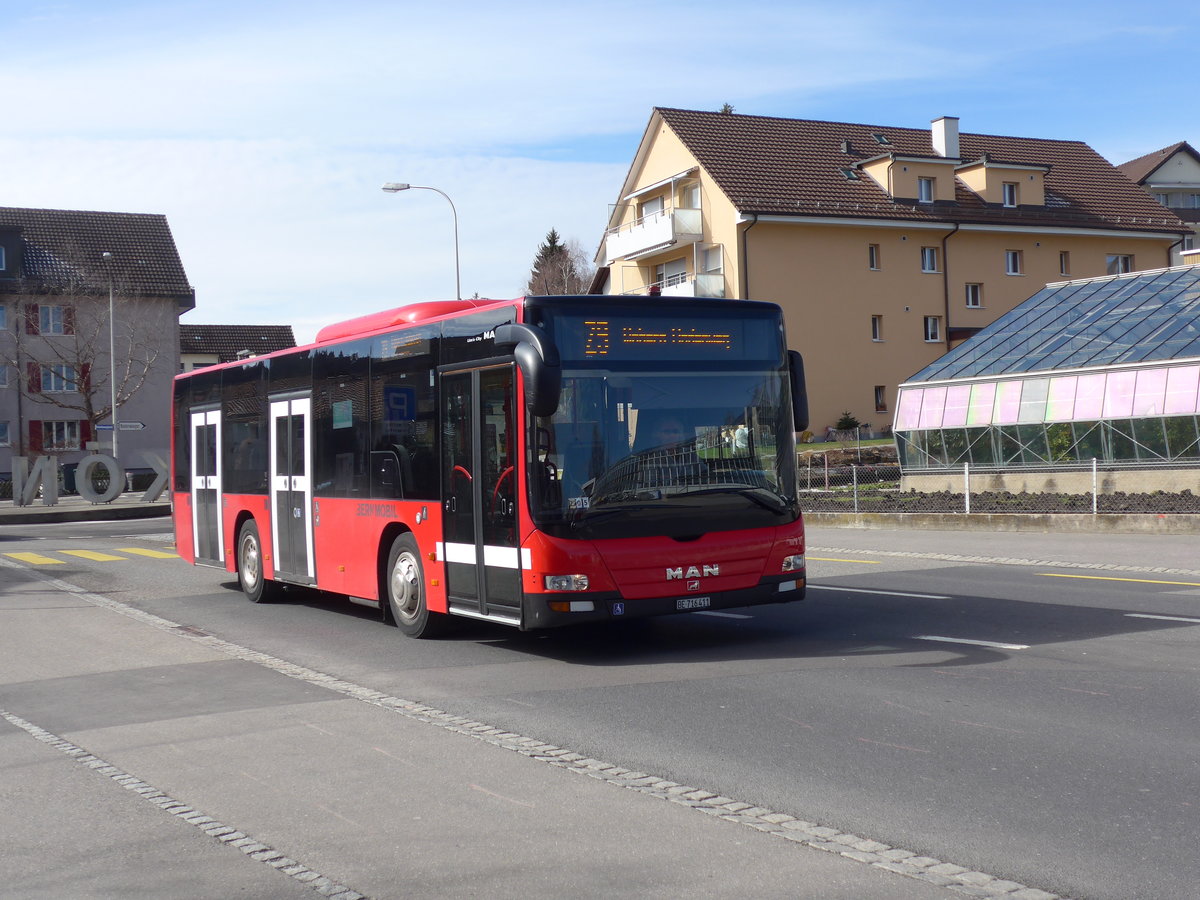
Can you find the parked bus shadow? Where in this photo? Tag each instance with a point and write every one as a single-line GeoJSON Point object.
{"type": "Point", "coordinates": [828, 624]}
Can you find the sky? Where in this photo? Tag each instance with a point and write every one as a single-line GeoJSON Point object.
{"type": "Point", "coordinates": [263, 130]}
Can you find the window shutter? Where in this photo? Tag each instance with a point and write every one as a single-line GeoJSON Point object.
{"type": "Point", "coordinates": [33, 319]}
{"type": "Point", "coordinates": [85, 433]}
{"type": "Point", "coordinates": [68, 320]}
{"type": "Point", "coordinates": [35, 377]}
{"type": "Point", "coordinates": [35, 436]}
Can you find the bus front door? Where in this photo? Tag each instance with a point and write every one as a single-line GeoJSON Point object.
{"type": "Point", "coordinates": [291, 489]}
{"type": "Point", "coordinates": [206, 486]}
{"type": "Point", "coordinates": [479, 499]}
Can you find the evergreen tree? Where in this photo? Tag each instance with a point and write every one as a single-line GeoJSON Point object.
{"type": "Point", "coordinates": [559, 268]}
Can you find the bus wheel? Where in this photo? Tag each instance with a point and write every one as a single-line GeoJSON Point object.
{"type": "Point", "coordinates": [250, 566]}
{"type": "Point", "coordinates": [406, 590]}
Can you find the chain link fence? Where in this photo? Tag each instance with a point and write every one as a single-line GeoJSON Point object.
{"type": "Point", "coordinates": [868, 479]}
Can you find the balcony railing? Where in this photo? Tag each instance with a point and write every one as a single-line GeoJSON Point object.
{"type": "Point", "coordinates": [649, 234]}
{"type": "Point", "coordinates": [685, 285]}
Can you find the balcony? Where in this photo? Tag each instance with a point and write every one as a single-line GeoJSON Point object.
{"type": "Point", "coordinates": [653, 233]}
{"type": "Point", "coordinates": [685, 285]}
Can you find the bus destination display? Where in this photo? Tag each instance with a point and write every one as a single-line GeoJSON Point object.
{"type": "Point", "coordinates": [640, 337]}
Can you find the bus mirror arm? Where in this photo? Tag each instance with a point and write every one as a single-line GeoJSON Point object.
{"type": "Point", "coordinates": [799, 391]}
{"type": "Point", "coordinates": [537, 358]}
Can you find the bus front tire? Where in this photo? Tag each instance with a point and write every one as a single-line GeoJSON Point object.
{"type": "Point", "coordinates": [405, 589]}
{"type": "Point", "coordinates": [250, 566]}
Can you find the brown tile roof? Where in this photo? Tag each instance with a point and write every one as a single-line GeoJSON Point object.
{"type": "Point", "coordinates": [66, 245]}
{"type": "Point", "coordinates": [793, 167]}
{"type": "Point", "coordinates": [228, 341]}
{"type": "Point", "coordinates": [1139, 169]}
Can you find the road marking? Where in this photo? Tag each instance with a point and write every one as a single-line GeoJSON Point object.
{"type": "Point", "coordinates": [95, 555]}
{"type": "Point", "coordinates": [36, 559]}
{"type": "Point", "coordinates": [723, 615]}
{"type": "Point", "coordinates": [1107, 578]}
{"type": "Point", "coordinates": [834, 587]}
{"type": "Point", "coordinates": [865, 562]}
{"type": "Point", "coordinates": [950, 640]}
{"type": "Point", "coordinates": [153, 554]}
{"type": "Point", "coordinates": [1164, 618]}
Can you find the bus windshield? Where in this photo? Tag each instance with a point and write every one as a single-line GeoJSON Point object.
{"type": "Point", "coordinates": [676, 452]}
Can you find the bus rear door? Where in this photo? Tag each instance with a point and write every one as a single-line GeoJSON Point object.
{"type": "Point", "coordinates": [206, 486]}
{"type": "Point", "coordinates": [291, 489]}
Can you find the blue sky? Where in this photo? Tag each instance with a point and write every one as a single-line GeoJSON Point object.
{"type": "Point", "coordinates": [263, 130]}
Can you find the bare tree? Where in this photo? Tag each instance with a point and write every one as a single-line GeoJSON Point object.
{"type": "Point", "coordinates": [560, 268]}
{"type": "Point", "coordinates": [58, 344]}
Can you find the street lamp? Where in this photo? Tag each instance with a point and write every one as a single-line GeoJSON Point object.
{"type": "Point", "coordinates": [394, 187]}
{"type": "Point", "coordinates": [112, 351]}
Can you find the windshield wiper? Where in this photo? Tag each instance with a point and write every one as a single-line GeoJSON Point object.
{"type": "Point", "coordinates": [763, 497]}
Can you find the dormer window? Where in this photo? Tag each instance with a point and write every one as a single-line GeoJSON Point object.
{"type": "Point", "coordinates": [1009, 189]}
{"type": "Point", "coordinates": [925, 190]}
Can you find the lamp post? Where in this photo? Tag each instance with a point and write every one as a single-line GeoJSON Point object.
{"type": "Point", "coordinates": [394, 187]}
{"type": "Point", "coordinates": [112, 351]}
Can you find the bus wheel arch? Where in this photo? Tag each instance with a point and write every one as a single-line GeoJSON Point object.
{"type": "Point", "coordinates": [249, 562]}
{"type": "Point", "coordinates": [404, 590]}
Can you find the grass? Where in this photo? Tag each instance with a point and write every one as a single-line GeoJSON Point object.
{"type": "Point", "coordinates": [844, 445]}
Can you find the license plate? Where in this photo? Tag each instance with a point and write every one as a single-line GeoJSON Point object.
{"type": "Point", "coordinates": [693, 603]}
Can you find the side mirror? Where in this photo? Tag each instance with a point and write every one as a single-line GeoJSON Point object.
{"type": "Point", "coordinates": [537, 357]}
{"type": "Point", "coordinates": [799, 392]}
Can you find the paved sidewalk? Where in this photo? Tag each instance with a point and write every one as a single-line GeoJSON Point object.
{"type": "Point", "coordinates": [73, 508]}
{"type": "Point", "coordinates": [138, 758]}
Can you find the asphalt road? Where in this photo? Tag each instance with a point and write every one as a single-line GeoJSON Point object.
{"type": "Point", "coordinates": [1022, 705]}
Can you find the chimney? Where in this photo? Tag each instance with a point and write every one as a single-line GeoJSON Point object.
{"type": "Point", "coordinates": [945, 136]}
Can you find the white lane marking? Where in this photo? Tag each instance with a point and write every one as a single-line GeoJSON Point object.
{"type": "Point", "coordinates": [1164, 618]}
{"type": "Point", "coordinates": [723, 615]}
{"type": "Point", "coordinates": [950, 640]}
{"type": "Point", "coordinates": [834, 587]}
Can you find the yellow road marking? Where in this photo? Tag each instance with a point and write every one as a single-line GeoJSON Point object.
{"type": "Point", "coordinates": [1106, 578]}
{"type": "Point", "coordinates": [868, 562]}
{"type": "Point", "coordinates": [95, 556]}
{"type": "Point", "coordinates": [36, 559]}
{"type": "Point", "coordinates": [153, 554]}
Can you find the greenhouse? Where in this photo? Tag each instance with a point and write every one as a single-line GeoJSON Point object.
{"type": "Point", "coordinates": [1099, 372]}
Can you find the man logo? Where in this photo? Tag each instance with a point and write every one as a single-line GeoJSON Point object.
{"type": "Point", "coordinates": [678, 573]}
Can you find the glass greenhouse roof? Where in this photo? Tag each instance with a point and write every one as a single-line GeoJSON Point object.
{"type": "Point", "coordinates": [1105, 321]}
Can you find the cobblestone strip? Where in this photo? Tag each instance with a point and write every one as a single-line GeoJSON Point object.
{"type": "Point", "coordinates": [1010, 561]}
{"type": "Point", "coordinates": [786, 827]}
{"type": "Point", "coordinates": [226, 834]}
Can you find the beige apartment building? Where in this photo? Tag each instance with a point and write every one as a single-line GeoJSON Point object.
{"type": "Point", "coordinates": [884, 246]}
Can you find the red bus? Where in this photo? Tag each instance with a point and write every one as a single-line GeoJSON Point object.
{"type": "Point", "coordinates": [533, 462]}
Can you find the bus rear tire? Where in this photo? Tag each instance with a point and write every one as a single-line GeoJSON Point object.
{"type": "Point", "coordinates": [254, 584]}
{"type": "Point", "coordinates": [405, 590]}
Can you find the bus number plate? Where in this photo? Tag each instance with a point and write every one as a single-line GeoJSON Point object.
{"type": "Point", "coordinates": [693, 603]}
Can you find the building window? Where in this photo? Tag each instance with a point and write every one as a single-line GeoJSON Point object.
{"type": "Point", "coordinates": [55, 320]}
{"type": "Point", "coordinates": [933, 329]}
{"type": "Point", "coordinates": [929, 259]}
{"type": "Point", "coordinates": [650, 209]}
{"type": "Point", "coordinates": [1064, 263]}
{"type": "Point", "coordinates": [4, 434]}
{"type": "Point", "coordinates": [1009, 191]}
{"type": "Point", "coordinates": [1164, 199]}
{"type": "Point", "coordinates": [880, 398]}
{"type": "Point", "coordinates": [925, 192]}
{"type": "Point", "coordinates": [58, 379]}
{"type": "Point", "coordinates": [1118, 263]}
{"type": "Point", "coordinates": [671, 273]}
{"type": "Point", "coordinates": [60, 435]}
{"type": "Point", "coordinates": [873, 256]}
{"type": "Point", "coordinates": [1189, 241]}
{"type": "Point", "coordinates": [3, 263]}
{"type": "Point", "coordinates": [975, 295]}
{"type": "Point", "coordinates": [1195, 201]}
{"type": "Point", "coordinates": [3, 375]}
{"type": "Point", "coordinates": [877, 328]}
{"type": "Point", "coordinates": [1012, 262]}
{"type": "Point", "coordinates": [3, 317]}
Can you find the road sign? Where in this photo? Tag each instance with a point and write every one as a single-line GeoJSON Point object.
{"type": "Point", "coordinates": [130, 426]}
{"type": "Point", "coordinates": [104, 428]}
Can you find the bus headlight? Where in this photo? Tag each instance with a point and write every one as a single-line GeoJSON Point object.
{"type": "Point", "coordinates": [793, 563]}
{"type": "Point", "coordinates": [566, 582]}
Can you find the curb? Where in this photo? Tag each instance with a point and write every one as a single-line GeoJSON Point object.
{"type": "Point", "coordinates": [1059, 523]}
{"type": "Point", "coordinates": [26, 515]}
